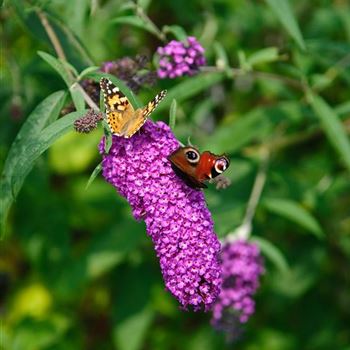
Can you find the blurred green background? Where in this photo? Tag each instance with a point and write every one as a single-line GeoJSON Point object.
{"type": "Point", "coordinates": [77, 272]}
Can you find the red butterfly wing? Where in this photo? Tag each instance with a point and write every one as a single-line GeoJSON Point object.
{"type": "Point", "coordinates": [184, 169]}
{"type": "Point", "coordinates": [195, 168]}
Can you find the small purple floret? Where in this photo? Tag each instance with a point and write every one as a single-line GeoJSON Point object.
{"type": "Point", "coordinates": [242, 267]}
{"type": "Point", "coordinates": [178, 58]}
{"type": "Point", "coordinates": [107, 67]}
{"type": "Point", "coordinates": [176, 216]}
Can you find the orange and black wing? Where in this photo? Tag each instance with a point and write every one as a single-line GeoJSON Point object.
{"type": "Point", "coordinates": [151, 106]}
{"type": "Point", "coordinates": [119, 111]}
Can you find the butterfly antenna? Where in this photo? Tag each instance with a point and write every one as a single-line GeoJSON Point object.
{"type": "Point", "coordinates": [189, 141]}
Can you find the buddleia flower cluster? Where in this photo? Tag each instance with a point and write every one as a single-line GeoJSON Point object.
{"type": "Point", "coordinates": [176, 216]}
{"type": "Point", "coordinates": [179, 58]}
{"type": "Point", "coordinates": [242, 267]}
{"type": "Point", "coordinates": [88, 122]}
{"type": "Point", "coordinates": [132, 70]}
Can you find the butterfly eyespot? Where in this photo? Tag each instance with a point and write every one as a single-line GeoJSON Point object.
{"type": "Point", "coordinates": [192, 155]}
{"type": "Point", "coordinates": [221, 165]}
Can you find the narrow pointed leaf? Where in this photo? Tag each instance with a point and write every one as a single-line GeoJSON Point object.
{"type": "Point", "coordinates": [293, 211]}
{"type": "Point", "coordinates": [332, 127]}
{"type": "Point", "coordinates": [265, 55]}
{"type": "Point", "coordinates": [178, 32]}
{"type": "Point", "coordinates": [285, 15]}
{"type": "Point", "coordinates": [36, 147]}
{"type": "Point", "coordinates": [30, 151]}
{"type": "Point", "coordinates": [93, 175]}
{"type": "Point", "coordinates": [190, 87]}
{"type": "Point", "coordinates": [136, 22]}
{"type": "Point", "coordinates": [172, 115]}
{"type": "Point", "coordinates": [272, 253]}
{"type": "Point", "coordinates": [57, 65]}
{"type": "Point", "coordinates": [45, 113]}
{"type": "Point", "coordinates": [77, 97]}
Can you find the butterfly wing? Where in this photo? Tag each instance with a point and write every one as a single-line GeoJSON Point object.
{"type": "Point", "coordinates": [122, 119]}
{"type": "Point", "coordinates": [119, 110]}
{"type": "Point", "coordinates": [184, 169]}
{"type": "Point", "coordinates": [134, 124]}
{"type": "Point", "coordinates": [151, 106]}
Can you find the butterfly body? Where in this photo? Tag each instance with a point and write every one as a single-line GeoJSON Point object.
{"type": "Point", "coordinates": [195, 168]}
{"type": "Point", "coordinates": [122, 118]}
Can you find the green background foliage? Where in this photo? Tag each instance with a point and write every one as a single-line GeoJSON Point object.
{"type": "Point", "coordinates": [77, 271]}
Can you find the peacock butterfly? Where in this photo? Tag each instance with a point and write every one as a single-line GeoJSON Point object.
{"type": "Point", "coordinates": [194, 167]}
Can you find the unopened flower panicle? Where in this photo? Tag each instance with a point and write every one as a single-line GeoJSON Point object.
{"type": "Point", "coordinates": [178, 58]}
{"type": "Point", "coordinates": [88, 122]}
{"type": "Point", "coordinates": [176, 216]}
{"type": "Point", "coordinates": [132, 71]}
{"type": "Point", "coordinates": [242, 267]}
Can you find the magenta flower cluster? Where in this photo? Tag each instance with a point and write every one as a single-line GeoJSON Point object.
{"type": "Point", "coordinates": [176, 216]}
{"type": "Point", "coordinates": [242, 267]}
{"type": "Point", "coordinates": [178, 59]}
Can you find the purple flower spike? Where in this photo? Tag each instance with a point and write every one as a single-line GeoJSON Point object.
{"type": "Point", "coordinates": [176, 216]}
{"type": "Point", "coordinates": [242, 267]}
{"type": "Point", "coordinates": [182, 58]}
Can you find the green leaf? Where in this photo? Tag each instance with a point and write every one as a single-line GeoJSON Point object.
{"type": "Point", "coordinates": [243, 62]}
{"type": "Point", "coordinates": [268, 54]}
{"type": "Point", "coordinates": [36, 147]}
{"type": "Point", "coordinates": [332, 127]}
{"type": "Point", "coordinates": [45, 113]}
{"type": "Point", "coordinates": [273, 253]}
{"type": "Point", "coordinates": [77, 22]}
{"type": "Point", "coordinates": [77, 97]}
{"type": "Point", "coordinates": [178, 32]}
{"type": "Point", "coordinates": [221, 61]}
{"type": "Point", "coordinates": [33, 147]}
{"type": "Point", "coordinates": [191, 87]}
{"type": "Point", "coordinates": [284, 13]}
{"type": "Point", "coordinates": [136, 22]}
{"type": "Point", "coordinates": [107, 251]}
{"type": "Point", "coordinates": [172, 115]}
{"type": "Point", "coordinates": [69, 67]}
{"type": "Point", "coordinates": [73, 41]}
{"type": "Point", "coordinates": [129, 333]}
{"type": "Point", "coordinates": [93, 175]}
{"type": "Point", "coordinates": [293, 211]}
{"type": "Point", "coordinates": [108, 136]}
{"type": "Point", "coordinates": [231, 137]}
{"type": "Point", "coordinates": [144, 3]}
{"type": "Point", "coordinates": [343, 108]}
{"type": "Point", "coordinates": [87, 71]}
{"type": "Point", "coordinates": [58, 66]}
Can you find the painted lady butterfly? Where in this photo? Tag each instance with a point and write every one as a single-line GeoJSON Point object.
{"type": "Point", "coordinates": [122, 118]}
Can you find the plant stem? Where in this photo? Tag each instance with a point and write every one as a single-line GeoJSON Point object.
{"type": "Point", "coordinates": [87, 98]}
{"type": "Point", "coordinates": [70, 36]}
{"type": "Point", "coordinates": [245, 229]}
{"type": "Point", "coordinates": [53, 37]}
{"type": "Point", "coordinates": [141, 13]}
{"type": "Point", "coordinates": [61, 55]}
